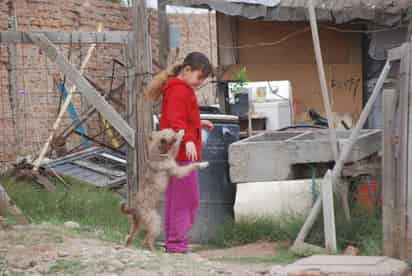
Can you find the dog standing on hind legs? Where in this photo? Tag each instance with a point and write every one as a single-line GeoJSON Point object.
{"type": "Point", "coordinates": [163, 148]}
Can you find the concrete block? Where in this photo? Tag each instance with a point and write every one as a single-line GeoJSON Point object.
{"type": "Point", "coordinates": [346, 265]}
{"type": "Point", "coordinates": [270, 156]}
{"type": "Point", "coordinates": [274, 199]}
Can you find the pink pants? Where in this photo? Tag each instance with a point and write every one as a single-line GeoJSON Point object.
{"type": "Point", "coordinates": [182, 202]}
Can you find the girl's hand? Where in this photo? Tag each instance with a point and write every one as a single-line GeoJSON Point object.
{"type": "Point", "coordinates": [208, 125]}
{"type": "Point", "coordinates": [191, 152]}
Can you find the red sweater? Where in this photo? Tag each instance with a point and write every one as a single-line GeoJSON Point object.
{"type": "Point", "coordinates": [180, 110]}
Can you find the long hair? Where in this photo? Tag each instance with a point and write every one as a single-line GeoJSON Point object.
{"type": "Point", "coordinates": [195, 60]}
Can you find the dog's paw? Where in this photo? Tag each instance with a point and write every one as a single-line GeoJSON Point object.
{"type": "Point", "coordinates": [203, 165]}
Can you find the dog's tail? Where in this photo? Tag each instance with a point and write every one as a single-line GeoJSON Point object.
{"type": "Point", "coordinates": [125, 210]}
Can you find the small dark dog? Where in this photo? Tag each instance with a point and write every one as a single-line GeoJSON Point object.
{"type": "Point", "coordinates": [163, 148]}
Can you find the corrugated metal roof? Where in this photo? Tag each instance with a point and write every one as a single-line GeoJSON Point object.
{"type": "Point", "coordinates": [387, 12]}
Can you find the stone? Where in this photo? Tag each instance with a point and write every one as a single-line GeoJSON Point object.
{"type": "Point", "coordinates": [71, 224]}
{"type": "Point", "coordinates": [275, 270]}
{"type": "Point", "coordinates": [22, 264]}
{"type": "Point", "coordinates": [346, 265]}
{"type": "Point", "coordinates": [62, 254]}
{"type": "Point", "coordinates": [351, 251]}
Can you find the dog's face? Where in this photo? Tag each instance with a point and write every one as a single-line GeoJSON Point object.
{"type": "Point", "coordinates": [162, 140]}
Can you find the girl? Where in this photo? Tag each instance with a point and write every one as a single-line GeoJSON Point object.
{"type": "Point", "coordinates": [180, 110]}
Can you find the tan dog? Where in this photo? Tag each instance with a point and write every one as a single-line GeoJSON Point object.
{"type": "Point", "coordinates": [163, 148]}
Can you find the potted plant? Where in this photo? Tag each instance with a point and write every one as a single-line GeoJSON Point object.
{"type": "Point", "coordinates": [240, 103]}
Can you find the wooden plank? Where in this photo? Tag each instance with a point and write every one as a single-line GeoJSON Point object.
{"type": "Point", "coordinates": [322, 78]}
{"type": "Point", "coordinates": [112, 37]}
{"type": "Point", "coordinates": [403, 146]}
{"type": "Point", "coordinates": [12, 77]}
{"type": "Point", "coordinates": [85, 88]}
{"type": "Point", "coordinates": [164, 33]}
{"type": "Point", "coordinates": [390, 217]}
{"type": "Point", "coordinates": [408, 211]}
{"type": "Point", "coordinates": [328, 213]}
{"type": "Point", "coordinates": [226, 36]}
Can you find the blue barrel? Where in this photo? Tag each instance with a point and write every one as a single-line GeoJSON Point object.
{"type": "Point", "coordinates": [217, 193]}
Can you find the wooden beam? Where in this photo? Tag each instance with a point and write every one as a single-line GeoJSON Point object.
{"type": "Point", "coordinates": [322, 78]}
{"type": "Point", "coordinates": [329, 213]}
{"type": "Point", "coordinates": [390, 215]}
{"type": "Point", "coordinates": [111, 37]}
{"type": "Point", "coordinates": [163, 32]}
{"type": "Point", "coordinates": [12, 77]}
{"type": "Point", "coordinates": [404, 98]}
{"type": "Point", "coordinates": [85, 88]}
{"type": "Point", "coordinates": [226, 36]}
{"type": "Point", "coordinates": [408, 211]}
{"type": "Point", "coordinates": [139, 52]}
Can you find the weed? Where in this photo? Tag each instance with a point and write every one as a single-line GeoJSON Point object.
{"type": "Point", "coordinates": [248, 230]}
{"type": "Point", "coordinates": [66, 266]}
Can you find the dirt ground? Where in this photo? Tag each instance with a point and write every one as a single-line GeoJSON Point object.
{"type": "Point", "coordinates": [54, 250]}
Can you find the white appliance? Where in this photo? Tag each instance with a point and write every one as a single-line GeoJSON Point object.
{"type": "Point", "coordinates": [278, 113]}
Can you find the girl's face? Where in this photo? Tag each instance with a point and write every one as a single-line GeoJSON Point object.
{"type": "Point", "coordinates": [194, 78]}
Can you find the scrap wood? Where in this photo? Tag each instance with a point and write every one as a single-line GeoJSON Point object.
{"type": "Point", "coordinates": [67, 101]}
{"type": "Point", "coordinates": [8, 207]}
{"type": "Point", "coordinates": [24, 170]}
{"type": "Point", "coordinates": [84, 117]}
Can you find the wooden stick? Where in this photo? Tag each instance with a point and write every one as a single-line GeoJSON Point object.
{"type": "Point", "coordinates": [347, 149]}
{"type": "Point", "coordinates": [325, 95]}
{"type": "Point", "coordinates": [322, 78]}
{"type": "Point", "coordinates": [390, 210]}
{"type": "Point", "coordinates": [329, 213]}
{"type": "Point", "coordinates": [66, 103]}
{"type": "Point", "coordinates": [329, 219]}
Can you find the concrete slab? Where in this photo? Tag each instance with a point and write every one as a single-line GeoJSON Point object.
{"type": "Point", "coordinates": [346, 265]}
{"type": "Point", "coordinates": [270, 156]}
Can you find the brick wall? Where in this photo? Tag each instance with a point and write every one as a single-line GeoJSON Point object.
{"type": "Point", "coordinates": [36, 102]}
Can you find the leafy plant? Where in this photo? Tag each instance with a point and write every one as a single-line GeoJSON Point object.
{"type": "Point", "coordinates": [240, 82]}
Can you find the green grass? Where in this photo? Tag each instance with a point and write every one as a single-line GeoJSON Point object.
{"type": "Point", "coordinates": [95, 209]}
{"type": "Point", "coordinates": [365, 231]}
{"type": "Point", "coordinates": [248, 230]}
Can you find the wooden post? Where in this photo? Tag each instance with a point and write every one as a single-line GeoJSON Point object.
{"type": "Point", "coordinates": [226, 36]}
{"type": "Point", "coordinates": [403, 131]}
{"type": "Point", "coordinates": [322, 78]}
{"type": "Point", "coordinates": [329, 213]}
{"type": "Point", "coordinates": [12, 74]}
{"type": "Point", "coordinates": [390, 209]}
{"type": "Point", "coordinates": [163, 33]}
{"type": "Point", "coordinates": [330, 230]}
{"type": "Point", "coordinates": [139, 48]}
